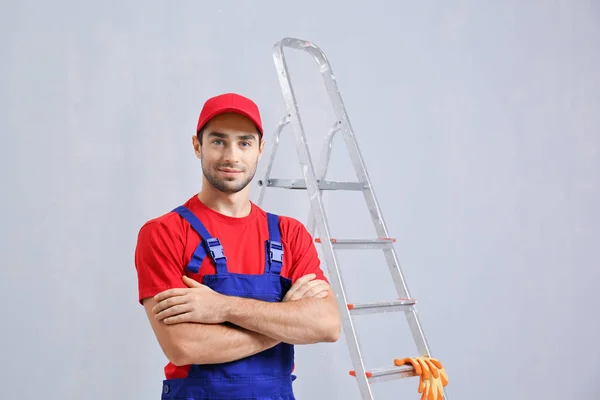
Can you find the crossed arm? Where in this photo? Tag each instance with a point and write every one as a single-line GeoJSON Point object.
{"type": "Point", "coordinates": [196, 325]}
{"type": "Point", "coordinates": [195, 343]}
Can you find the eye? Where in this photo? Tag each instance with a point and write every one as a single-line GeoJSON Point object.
{"type": "Point", "coordinates": [217, 141]}
{"type": "Point", "coordinates": [245, 143]}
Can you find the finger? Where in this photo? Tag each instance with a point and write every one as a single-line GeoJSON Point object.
{"type": "Point", "coordinates": [316, 289]}
{"type": "Point", "coordinates": [303, 280]}
{"type": "Point", "coordinates": [425, 369]}
{"type": "Point", "coordinates": [169, 302]}
{"type": "Point", "coordinates": [401, 361]}
{"type": "Point", "coordinates": [191, 282]}
{"type": "Point", "coordinates": [173, 311]}
{"type": "Point", "coordinates": [307, 278]}
{"type": "Point", "coordinates": [322, 295]}
{"type": "Point", "coordinates": [322, 285]}
{"type": "Point", "coordinates": [421, 387]}
{"type": "Point", "coordinates": [443, 377]}
{"type": "Point", "coordinates": [431, 393]}
{"type": "Point", "coordinates": [179, 318]}
{"type": "Point", "coordinates": [289, 294]}
{"type": "Point", "coordinates": [302, 290]}
{"type": "Point", "coordinates": [299, 282]}
{"type": "Point", "coordinates": [415, 364]}
{"type": "Point", "coordinates": [316, 292]}
{"type": "Point", "coordinates": [440, 394]}
{"type": "Point", "coordinates": [432, 368]}
{"type": "Point", "coordinates": [425, 391]}
{"type": "Point", "coordinates": [170, 293]}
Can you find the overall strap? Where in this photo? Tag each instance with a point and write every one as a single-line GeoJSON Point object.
{"type": "Point", "coordinates": [274, 248]}
{"type": "Point", "coordinates": [209, 245]}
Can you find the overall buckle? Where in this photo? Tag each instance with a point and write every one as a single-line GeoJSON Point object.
{"type": "Point", "coordinates": [275, 252]}
{"type": "Point", "coordinates": [215, 248]}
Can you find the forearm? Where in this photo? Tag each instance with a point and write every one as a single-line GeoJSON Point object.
{"type": "Point", "coordinates": [218, 343]}
{"type": "Point", "coordinates": [304, 321]}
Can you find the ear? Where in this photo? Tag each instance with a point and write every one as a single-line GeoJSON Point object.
{"type": "Point", "coordinates": [197, 147]}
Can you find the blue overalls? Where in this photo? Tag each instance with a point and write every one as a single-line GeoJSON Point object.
{"type": "Point", "coordinates": [263, 376]}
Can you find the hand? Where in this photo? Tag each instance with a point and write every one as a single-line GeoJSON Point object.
{"type": "Point", "coordinates": [307, 287]}
{"type": "Point", "coordinates": [432, 376]}
{"type": "Point", "coordinates": [197, 303]}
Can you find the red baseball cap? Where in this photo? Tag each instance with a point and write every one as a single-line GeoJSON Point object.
{"type": "Point", "coordinates": [229, 102]}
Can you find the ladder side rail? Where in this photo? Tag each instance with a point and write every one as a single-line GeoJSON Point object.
{"type": "Point", "coordinates": [347, 130]}
{"type": "Point", "coordinates": [322, 169]}
{"type": "Point", "coordinates": [369, 194]}
{"type": "Point", "coordinates": [355, 153]}
{"type": "Point", "coordinates": [267, 172]}
{"type": "Point", "coordinates": [400, 282]}
{"type": "Point", "coordinates": [320, 218]}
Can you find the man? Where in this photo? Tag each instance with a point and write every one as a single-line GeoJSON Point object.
{"type": "Point", "coordinates": [228, 288]}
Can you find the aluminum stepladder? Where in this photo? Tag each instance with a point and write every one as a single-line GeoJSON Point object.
{"type": "Point", "coordinates": [314, 183]}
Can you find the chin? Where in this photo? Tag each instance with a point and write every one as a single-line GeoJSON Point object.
{"type": "Point", "coordinates": [230, 187]}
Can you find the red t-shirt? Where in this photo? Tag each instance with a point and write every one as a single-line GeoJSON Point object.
{"type": "Point", "coordinates": [165, 246]}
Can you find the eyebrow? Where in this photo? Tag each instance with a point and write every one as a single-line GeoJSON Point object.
{"type": "Point", "coordinates": [223, 136]}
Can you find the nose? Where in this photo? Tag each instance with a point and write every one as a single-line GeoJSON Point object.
{"type": "Point", "coordinates": [230, 155]}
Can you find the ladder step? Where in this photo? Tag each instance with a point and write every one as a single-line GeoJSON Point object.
{"type": "Point", "coordinates": [323, 185]}
{"type": "Point", "coordinates": [389, 373]}
{"type": "Point", "coordinates": [382, 307]}
{"type": "Point", "coordinates": [383, 243]}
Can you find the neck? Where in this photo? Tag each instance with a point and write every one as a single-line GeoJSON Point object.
{"type": "Point", "coordinates": [235, 205]}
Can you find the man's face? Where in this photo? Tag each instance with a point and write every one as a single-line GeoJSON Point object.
{"type": "Point", "coordinates": [229, 152]}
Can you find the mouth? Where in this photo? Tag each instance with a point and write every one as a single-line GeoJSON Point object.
{"type": "Point", "coordinates": [229, 171]}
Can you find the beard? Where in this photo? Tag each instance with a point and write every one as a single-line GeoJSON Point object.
{"type": "Point", "coordinates": [228, 185]}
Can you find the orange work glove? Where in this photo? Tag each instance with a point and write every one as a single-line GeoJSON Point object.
{"type": "Point", "coordinates": [432, 376]}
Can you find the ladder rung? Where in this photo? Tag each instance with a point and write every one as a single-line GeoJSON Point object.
{"type": "Point", "coordinates": [383, 243]}
{"type": "Point", "coordinates": [390, 373]}
{"type": "Point", "coordinates": [323, 185]}
{"type": "Point", "coordinates": [382, 306]}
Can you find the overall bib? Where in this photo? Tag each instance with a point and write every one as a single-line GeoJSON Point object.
{"type": "Point", "coordinates": [263, 376]}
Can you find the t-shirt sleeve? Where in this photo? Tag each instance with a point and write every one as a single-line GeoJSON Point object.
{"type": "Point", "coordinates": [305, 259]}
{"type": "Point", "coordinates": [158, 259]}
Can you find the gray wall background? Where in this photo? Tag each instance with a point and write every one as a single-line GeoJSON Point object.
{"type": "Point", "coordinates": [479, 123]}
